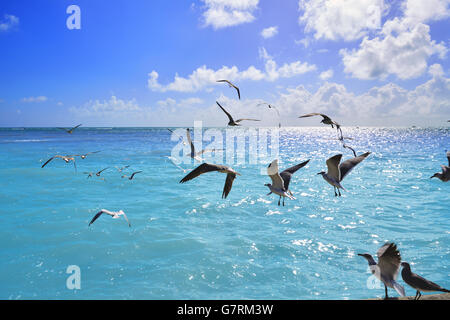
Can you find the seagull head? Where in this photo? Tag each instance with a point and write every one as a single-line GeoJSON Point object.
{"type": "Point", "coordinates": [436, 175]}
{"type": "Point", "coordinates": [321, 172]}
{"type": "Point", "coordinates": [405, 265]}
{"type": "Point", "coordinates": [368, 257]}
{"type": "Point", "coordinates": [267, 185]}
{"type": "Point", "coordinates": [121, 212]}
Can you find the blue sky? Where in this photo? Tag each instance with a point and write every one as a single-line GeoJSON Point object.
{"type": "Point", "coordinates": [155, 63]}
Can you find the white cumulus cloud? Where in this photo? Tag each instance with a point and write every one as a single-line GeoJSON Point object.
{"type": "Point", "coordinates": [345, 19]}
{"type": "Point", "coordinates": [226, 13]}
{"type": "Point", "coordinates": [203, 77]}
{"type": "Point", "coordinates": [402, 49]}
{"type": "Point", "coordinates": [8, 22]}
{"type": "Point", "coordinates": [269, 32]}
{"type": "Point", "coordinates": [35, 99]}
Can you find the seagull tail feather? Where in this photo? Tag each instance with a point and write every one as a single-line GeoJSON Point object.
{"type": "Point", "coordinates": [398, 288]}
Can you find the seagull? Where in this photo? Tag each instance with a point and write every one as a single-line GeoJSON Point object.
{"type": "Point", "coordinates": [122, 168]}
{"type": "Point", "coordinates": [91, 174]}
{"type": "Point", "coordinates": [67, 159]}
{"type": "Point", "coordinates": [98, 173]}
{"type": "Point", "coordinates": [272, 107]}
{"type": "Point", "coordinates": [445, 174]}
{"type": "Point", "coordinates": [386, 270]}
{"type": "Point", "coordinates": [232, 86]}
{"type": "Point", "coordinates": [232, 122]}
{"type": "Point", "coordinates": [207, 167]}
{"type": "Point", "coordinates": [70, 130]}
{"type": "Point", "coordinates": [114, 215]}
{"type": "Point", "coordinates": [417, 282]}
{"type": "Point", "coordinates": [280, 182]}
{"type": "Point", "coordinates": [353, 150]}
{"type": "Point", "coordinates": [326, 120]}
{"type": "Point", "coordinates": [83, 156]}
{"type": "Point", "coordinates": [337, 172]}
{"type": "Point", "coordinates": [132, 176]}
{"type": "Point", "coordinates": [173, 132]}
{"type": "Point", "coordinates": [196, 155]}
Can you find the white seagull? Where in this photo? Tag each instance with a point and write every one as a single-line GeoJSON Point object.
{"type": "Point", "coordinates": [196, 155]}
{"type": "Point", "coordinates": [113, 214]}
{"type": "Point", "coordinates": [337, 172]}
{"type": "Point", "coordinates": [280, 182]}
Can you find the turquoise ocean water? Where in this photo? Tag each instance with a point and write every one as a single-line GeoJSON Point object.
{"type": "Point", "coordinates": [186, 242]}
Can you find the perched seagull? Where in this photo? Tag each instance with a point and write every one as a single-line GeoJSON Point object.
{"type": "Point", "coordinates": [232, 86]}
{"type": "Point", "coordinates": [70, 130]}
{"type": "Point", "coordinates": [280, 181]}
{"type": "Point", "coordinates": [326, 120]}
{"type": "Point", "coordinates": [272, 107]}
{"type": "Point", "coordinates": [67, 159]}
{"type": "Point", "coordinates": [83, 156]}
{"type": "Point", "coordinates": [386, 270]}
{"type": "Point", "coordinates": [122, 168]}
{"type": "Point", "coordinates": [207, 167]}
{"type": "Point", "coordinates": [173, 132]}
{"type": "Point", "coordinates": [132, 176]}
{"type": "Point", "coordinates": [417, 282]}
{"type": "Point", "coordinates": [114, 215]}
{"type": "Point", "coordinates": [337, 172]}
{"type": "Point", "coordinates": [445, 174]}
{"type": "Point", "coordinates": [196, 155]}
{"type": "Point", "coordinates": [232, 122]}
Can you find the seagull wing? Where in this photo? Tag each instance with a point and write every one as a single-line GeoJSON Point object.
{"type": "Point", "coordinates": [389, 261]}
{"type": "Point", "coordinates": [228, 184]}
{"type": "Point", "coordinates": [272, 172]}
{"type": "Point", "coordinates": [239, 120]}
{"type": "Point", "coordinates": [238, 92]}
{"type": "Point", "coordinates": [203, 168]}
{"type": "Point", "coordinates": [448, 157]}
{"type": "Point", "coordinates": [188, 134]}
{"type": "Point", "coordinates": [287, 174]}
{"type": "Point", "coordinates": [349, 164]}
{"type": "Point", "coordinates": [228, 115]}
{"type": "Point", "coordinates": [98, 214]}
{"type": "Point", "coordinates": [346, 146]}
{"type": "Point", "coordinates": [316, 114]}
{"type": "Point", "coordinates": [75, 127]}
{"type": "Point", "coordinates": [333, 167]}
{"type": "Point", "coordinates": [424, 284]}
{"type": "Point", "coordinates": [125, 216]}
{"type": "Point", "coordinates": [102, 170]}
{"type": "Point", "coordinates": [132, 176]}
{"type": "Point", "coordinates": [48, 161]}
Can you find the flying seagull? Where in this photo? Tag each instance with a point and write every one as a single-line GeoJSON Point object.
{"type": "Point", "coordinates": [67, 159]}
{"type": "Point", "coordinates": [445, 174]}
{"type": "Point", "coordinates": [272, 107]}
{"type": "Point", "coordinates": [70, 130]}
{"type": "Point", "coordinates": [83, 156]}
{"type": "Point", "coordinates": [120, 169]}
{"type": "Point", "coordinates": [173, 132]}
{"type": "Point", "coordinates": [91, 174]}
{"type": "Point", "coordinates": [337, 172]}
{"type": "Point", "coordinates": [196, 155]}
{"type": "Point", "coordinates": [326, 120]}
{"type": "Point", "coordinates": [232, 122]}
{"type": "Point", "coordinates": [114, 215]}
{"type": "Point", "coordinates": [132, 176]}
{"type": "Point", "coordinates": [280, 181]}
{"type": "Point", "coordinates": [419, 283]}
{"type": "Point", "coordinates": [386, 270]}
{"type": "Point", "coordinates": [207, 167]}
{"type": "Point", "coordinates": [232, 86]}
{"type": "Point", "coordinates": [353, 150]}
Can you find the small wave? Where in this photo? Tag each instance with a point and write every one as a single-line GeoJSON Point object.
{"type": "Point", "coordinates": [25, 140]}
